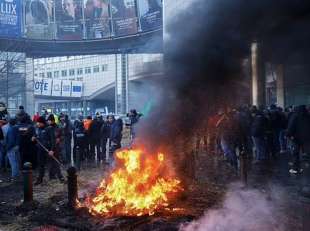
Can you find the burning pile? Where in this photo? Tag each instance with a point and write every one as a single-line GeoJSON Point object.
{"type": "Point", "coordinates": [139, 185]}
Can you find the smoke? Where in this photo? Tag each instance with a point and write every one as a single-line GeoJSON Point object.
{"type": "Point", "coordinates": [241, 210]}
{"type": "Point", "coordinates": [203, 55]}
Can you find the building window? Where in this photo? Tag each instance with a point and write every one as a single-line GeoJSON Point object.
{"type": "Point", "coordinates": [56, 74]}
{"type": "Point", "coordinates": [42, 75]}
{"type": "Point", "coordinates": [79, 78]}
{"type": "Point", "coordinates": [71, 72]}
{"type": "Point", "coordinates": [64, 73]}
{"type": "Point", "coordinates": [104, 67]}
{"type": "Point", "coordinates": [35, 74]}
{"type": "Point", "coordinates": [96, 69]}
{"type": "Point", "coordinates": [87, 70]}
{"type": "Point", "coordinates": [49, 75]}
{"type": "Point", "coordinates": [80, 71]}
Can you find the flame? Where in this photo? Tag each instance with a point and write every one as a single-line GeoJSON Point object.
{"type": "Point", "coordinates": [139, 185]}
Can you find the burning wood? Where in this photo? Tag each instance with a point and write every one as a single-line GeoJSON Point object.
{"type": "Point", "coordinates": [140, 184]}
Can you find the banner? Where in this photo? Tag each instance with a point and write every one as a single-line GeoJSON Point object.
{"type": "Point", "coordinates": [69, 19]}
{"type": "Point", "coordinates": [10, 18]}
{"type": "Point", "coordinates": [46, 87]}
{"type": "Point", "coordinates": [38, 85]}
{"type": "Point", "coordinates": [39, 19]}
{"type": "Point", "coordinates": [56, 88]}
{"type": "Point", "coordinates": [124, 17]}
{"type": "Point", "coordinates": [151, 14]}
{"type": "Point", "coordinates": [66, 88]}
{"type": "Point", "coordinates": [76, 89]}
{"type": "Point", "coordinates": [97, 18]}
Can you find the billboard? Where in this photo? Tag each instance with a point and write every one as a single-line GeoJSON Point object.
{"type": "Point", "coordinates": [69, 19]}
{"type": "Point", "coordinates": [11, 18]}
{"type": "Point", "coordinates": [124, 16]}
{"type": "Point", "coordinates": [97, 19]}
{"type": "Point", "coordinates": [64, 88]}
{"type": "Point", "coordinates": [39, 19]}
{"type": "Point", "coordinates": [151, 14]}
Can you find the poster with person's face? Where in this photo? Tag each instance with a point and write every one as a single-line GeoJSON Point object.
{"type": "Point", "coordinates": [151, 16]}
{"type": "Point", "coordinates": [124, 17]}
{"type": "Point", "coordinates": [97, 18]}
{"type": "Point", "coordinates": [10, 18]}
{"type": "Point", "coordinates": [69, 19]}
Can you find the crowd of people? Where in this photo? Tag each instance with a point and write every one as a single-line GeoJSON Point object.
{"type": "Point", "coordinates": [51, 140]}
{"type": "Point", "coordinates": [261, 133]}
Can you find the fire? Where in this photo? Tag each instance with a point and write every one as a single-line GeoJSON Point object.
{"type": "Point", "coordinates": [139, 185]}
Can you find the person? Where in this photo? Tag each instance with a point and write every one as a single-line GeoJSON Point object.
{"type": "Point", "coordinates": [116, 127]}
{"type": "Point", "coordinates": [104, 136]}
{"type": "Point", "coordinates": [258, 132]}
{"type": "Point", "coordinates": [94, 138]}
{"type": "Point", "coordinates": [79, 140]}
{"type": "Point", "coordinates": [134, 119]}
{"type": "Point", "coordinates": [35, 117]}
{"type": "Point", "coordinates": [44, 136]}
{"type": "Point", "coordinates": [87, 122]}
{"type": "Point", "coordinates": [227, 133]}
{"type": "Point", "coordinates": [67, 129]}
{"type": "Point", "coordinates": [27, 149]}
{"type": "Point", "coordinates": [22, 116]}
{"type": "Point", "coordinates": [55, 148]}
{"type": "Point", "coordinates": [12, 147]}
{"type": "Point", "coordinates": [299, 134]}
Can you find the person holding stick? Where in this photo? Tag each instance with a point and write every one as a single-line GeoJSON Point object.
{"type": "Point", "coordinates": [46, 143]}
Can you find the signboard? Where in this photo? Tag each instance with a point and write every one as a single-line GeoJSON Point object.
{"type": "Point", "coordinates": [66, 88]}
{"type": "Point", "coordinates": [39, 18]}
{"type": "Point", "coordinates": [56, 90]}
{"type": "Point", "coordinates": [76, 89]}
{"type": "Point", "coordinates": [69, 19]}
{"type": "Point", "coordinates": [151, 12]}
{"type": "Point", "coordinates": [124, 17]}
{"type": "Point", "coordinates": [10, 18]}
{"type": "Point", "coordinates": [97, 18]}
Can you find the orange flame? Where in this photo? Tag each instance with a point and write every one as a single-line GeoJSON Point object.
{"type": "Point", "coordinates": [139, 185]}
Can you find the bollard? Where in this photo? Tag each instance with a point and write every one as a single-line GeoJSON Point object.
{"type": "Point", "coordinates": [27, 173]}
{"type": "Point", "coordinates": [72, 187]}
{"type": "Point", "coordinates": [243, 168]}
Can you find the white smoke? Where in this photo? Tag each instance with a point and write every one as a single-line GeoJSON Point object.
{"type": "Point", "coordinates": [242, 210]}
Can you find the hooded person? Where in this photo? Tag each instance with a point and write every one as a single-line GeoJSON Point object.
{"type": "Point", "coordinates": [22, 116]}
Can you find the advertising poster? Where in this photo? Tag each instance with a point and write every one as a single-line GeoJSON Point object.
{"type": "Point", "coordinates": [76, 89]}
{"type": "Point", "coordinates": [69, 19]}
{"type": "Point", "coordinates": [10, 18]}
{"type": "Point", "coordinates": [56, 91]}
{"type": "Point", "coordinates": [39, 19]}
{"type": "Point", "coordinates": [97, 18]}
{"type": "Point", "coordinates": [151, 14]}
{"type": "Point", "coordinates": [124, 16]}
{"type": "Point", "coordinates": [38, 86]}
{"type": "Point", "coordinates": [66, 88]}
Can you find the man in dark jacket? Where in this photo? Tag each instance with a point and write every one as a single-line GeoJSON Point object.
{"type": "Point", "coordinates": [104, 136]}
{"type": "Point", "coordinates": [258, 131]}
{"type": "Point", "coordinates": [299, 134]}
{"type": "Point", "coordinates": [79, 139]}
{"type": "Point", "coordinates": [12, 144]}
{"type": "Point", "coordinates": [56, 148]}
{"type": "Point", "coordinates": [27, 149]}
{"type": "Point", "coordinates": [94, 138]}
{"type": "Point", "coordinates": [67, 137]}
{"type": "Point", "coordinates": [116, 128]}
{"type": "Point", "coordinates": [22, 116]}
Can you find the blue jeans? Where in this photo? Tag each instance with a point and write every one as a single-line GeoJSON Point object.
{"type": "Point", "coordinates": [14, 161]}
{"type": "Point", "coordinates": [260, 146]}
{"type": "Point", "coordinates": [229, 152]}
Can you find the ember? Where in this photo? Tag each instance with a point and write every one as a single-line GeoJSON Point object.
{"type": "Point", "coordinates": [139, 185]}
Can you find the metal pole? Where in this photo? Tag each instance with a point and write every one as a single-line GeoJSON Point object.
{"type": "Point", "coordinates": [28, 190]}
{"type": "Point", "coordinates": [72, 187]}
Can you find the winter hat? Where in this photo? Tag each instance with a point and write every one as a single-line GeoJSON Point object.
{"type": "Point", "coordinates": [41, 119]}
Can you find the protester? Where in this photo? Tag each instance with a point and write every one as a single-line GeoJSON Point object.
{"type": "Point", "coordinates": [116, 127]}
{"type": "Point", "coordinates": [12, 147]}
{"type": "Point", "coordinates": [79, 140]}
{"type": "Point", "coordinates": [94, 138]}
{"type": "Point", "coordinates": [66, 126]}
{"type": "Point", "coordinates": [104, 136]}
{"type": "Point", "coordinates": [299, 134]}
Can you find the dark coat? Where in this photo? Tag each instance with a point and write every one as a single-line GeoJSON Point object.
{"type": "Point", "coordinates": [116, 131]}
{"type": "Point", "coordinates": [299, 127]}
{"type": "Point", "coordinates": [259, 124]}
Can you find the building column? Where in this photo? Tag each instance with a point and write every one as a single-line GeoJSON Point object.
{"type": "Point", "coordinates": [280, 86]}
{"type": "Point", "coordinates": [121, 86]}
{"type": "Point", "coordinates": [258, 76]}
